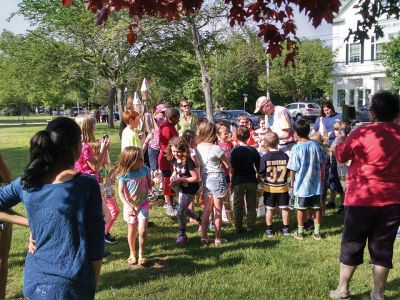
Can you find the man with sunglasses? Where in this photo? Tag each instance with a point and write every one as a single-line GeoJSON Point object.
{"type": "Point", "coordinates": [187, 119]}
{"type": "Point", "coordinates": [278, 120]}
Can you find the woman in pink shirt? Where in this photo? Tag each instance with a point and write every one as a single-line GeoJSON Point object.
{"type": "Point", "coordinates": [372, 202]}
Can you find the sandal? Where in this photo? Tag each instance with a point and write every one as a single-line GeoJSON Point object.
{"type": "Point", "coordinates": [142, 261]}
{"type": "Point", "coordinates": [219, 242]}
{"type": "Point", "coordinates": [207, 240]}
{"type": "Point", "coordinates": [132, 261]}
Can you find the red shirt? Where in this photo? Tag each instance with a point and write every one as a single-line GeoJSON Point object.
{"type": "Point", "coordinates": [250, 141]}
{"type": "Point", "coordinates": [227, 147]}
{"type": "Point", "coordinates": [374, 174]}
{"type": "Point", "coordinates": [167, 132]}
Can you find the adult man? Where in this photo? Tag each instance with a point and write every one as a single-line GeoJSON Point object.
{"type": "Point", "coordinates": [278, 120]}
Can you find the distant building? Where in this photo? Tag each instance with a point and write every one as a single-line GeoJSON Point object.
{"type": "Point", "coordinates": [358, 70]}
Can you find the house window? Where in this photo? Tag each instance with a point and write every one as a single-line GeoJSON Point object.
{"type": "Point", "coordinates": [360, 98]}
{"type": "Point", "coordinates": [379, 50]}
{"type": "Point", "coordinates": [355, 52]}
{"type": "Point", "coordinates": [351, 97]}
{"type": "Point", "coordinates": [341, 97]}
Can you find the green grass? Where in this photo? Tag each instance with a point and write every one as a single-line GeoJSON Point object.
{"type": "Point", "coordinates": [24, 119]}
{"type": "Point", "coordinates": [248, 267]}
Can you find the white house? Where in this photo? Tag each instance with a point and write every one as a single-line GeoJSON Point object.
{"type": "Point", "coordinates": [358, 70]}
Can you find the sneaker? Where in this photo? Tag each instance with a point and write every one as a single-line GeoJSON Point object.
{"type": "Point", "coordinates": [298, 235]}
{"type": "Point", "coordinates": [109, 239]}
{"type": "Point", "coordinates": [181, 240]}
{"type": "Point", "coordinates": [165, 205]}
{"type": "Point", "coordinates": [269, 233]}
{"type": "Point", "coordinates": [170, 211]}
{"type": "Point", "coordinates": [330, 205]}
{"type": "Point", "coordinates": [211, 227]}
{"type": "Point", "coordinates": [317, 236]}
{"type": "Point", "coordinates": [285, 231]}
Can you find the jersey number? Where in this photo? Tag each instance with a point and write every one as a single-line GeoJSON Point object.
{"type": "Point", "coordinates": [277, 174]}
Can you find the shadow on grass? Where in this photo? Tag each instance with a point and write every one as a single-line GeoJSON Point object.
{"type": "Point", "coordinates": [202, 258]}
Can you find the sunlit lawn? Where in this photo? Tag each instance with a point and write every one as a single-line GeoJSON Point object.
{"type": "Point", "coordinates": [248, 267]}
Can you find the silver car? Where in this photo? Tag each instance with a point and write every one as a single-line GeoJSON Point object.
{"type": "Point", "coordinates": [304, 110]}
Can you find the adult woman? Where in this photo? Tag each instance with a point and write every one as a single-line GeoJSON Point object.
{"type": "Point", "coordinates": [64, 210]}
{"type": "Point", "coordinates": [187, 119]}
{"type": "Point", "coordinates": [372, 203]}
{"type": "Point", "coordinates": [324, 125]}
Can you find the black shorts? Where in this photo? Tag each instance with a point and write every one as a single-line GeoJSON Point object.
{"type": "Point", "coordinates": [313, 202]}
{"type": "Point", "coordinates": [378, 225]}
{"type": "Point", "coordinates": [272, 199]}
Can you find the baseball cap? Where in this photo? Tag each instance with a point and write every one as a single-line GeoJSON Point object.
{"type": "Point", "coordinates": [161, 108]}
{"type": "Point", "coordinates": [260, 102]}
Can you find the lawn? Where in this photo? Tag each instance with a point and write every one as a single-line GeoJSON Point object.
{"type": "Point", "coordinates": [248, 267]}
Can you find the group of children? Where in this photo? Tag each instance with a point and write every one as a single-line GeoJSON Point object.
{"type": "Point", "coordinates": [215, 164]}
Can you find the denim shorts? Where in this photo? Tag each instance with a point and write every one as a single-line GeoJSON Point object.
{"type": "Point", "coordinates": [143, 214]}
{"type": "Point", "coordinates": [153, 158]}
{"type": "Point", "coordinates": [215, 184]}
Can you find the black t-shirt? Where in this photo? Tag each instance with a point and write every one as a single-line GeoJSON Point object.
{"type": "Point", "coordinates": [245, 161]}
{"type": "Point", "coordinates": [183, 170]}
{"type": "Point", "coordinates": [273, 169]}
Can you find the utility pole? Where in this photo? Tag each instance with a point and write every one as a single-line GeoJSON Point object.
{"type": "Point", "coordinates": [244, 101]}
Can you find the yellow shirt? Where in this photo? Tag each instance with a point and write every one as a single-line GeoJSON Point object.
{"type": "Point", "coordinates": [130, 137]}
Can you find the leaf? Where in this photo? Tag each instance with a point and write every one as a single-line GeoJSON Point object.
{"type": "Point", "coordinates": [67, 3]}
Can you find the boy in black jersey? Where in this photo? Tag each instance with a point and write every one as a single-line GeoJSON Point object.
{"type": "Point", "coordinates": [275, 182]}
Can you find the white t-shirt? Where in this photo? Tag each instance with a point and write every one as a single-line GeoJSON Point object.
{"type": "Point", "coordinates": [210, 158]}
{"type": "Point", "coordinates": [278, 121]}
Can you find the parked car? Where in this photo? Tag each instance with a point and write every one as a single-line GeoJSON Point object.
{"type": "Point", "coordinates": [200, 113]}
{"type": "Point", "coordinates": [304, 110]}
{"type": "Point", "coordinates": [230, 118]}
{"type": "Point", "coordinates": [74, 111]}
{"type": "Point", "coordinates": [362, 115]}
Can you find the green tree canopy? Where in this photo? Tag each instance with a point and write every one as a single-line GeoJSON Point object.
{"type": "Point", "coordinates": [391, 54]}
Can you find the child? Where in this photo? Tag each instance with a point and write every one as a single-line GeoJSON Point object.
{"type": "Point", "coordinates": [212, 157]}
{"type": "Point", "coordinates": [108, 196]}
{"type": "Point", "coordinates": [189, 137]}
{"type": "Point", "coordinates": [226, 145]}
{"type": "Point", "coordinates": [94, 154]}
{"type": "Point", "coordinates": [131, 133]}
{"type": "Point", "coordinates": [305, 177]}
{"type": "Point", "coordinates": [186, 176]}
{"type": "Point", "coordinates": [245, 162]}
{"type": "Point", "coordinates": [166, 133]}
{"type": "Point", "coordinates": [134, 183]}
{"type": "Point", "coordinates": [245, 121]}
{"type": "Point", "coordinates": [275, 177]}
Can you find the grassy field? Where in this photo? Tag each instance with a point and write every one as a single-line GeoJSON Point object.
{"type": "Point", "coordinates": [248, 267]}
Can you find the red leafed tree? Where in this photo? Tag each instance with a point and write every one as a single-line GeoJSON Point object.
{"type": "Point", "coordinates": [273, 17]}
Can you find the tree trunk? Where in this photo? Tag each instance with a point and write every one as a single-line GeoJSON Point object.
{"type": "Point", "coordinates": [205, 77]}
{"type": "Point", "coordinates": [111, 99]}
{"type": "Point", "coordinates": [121, 100]}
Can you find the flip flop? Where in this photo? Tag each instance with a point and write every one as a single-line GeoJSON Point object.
{"type": "Point", "coordinates": [132, 261]}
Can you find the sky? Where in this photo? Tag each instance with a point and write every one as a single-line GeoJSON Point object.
{"type": "Point", "coordinates": [18, 25]}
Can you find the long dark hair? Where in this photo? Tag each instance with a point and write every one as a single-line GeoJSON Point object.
{"type": "Point", "coordinates": [329, 105]}
{"type": "Point", "coordinates": [57, 144]}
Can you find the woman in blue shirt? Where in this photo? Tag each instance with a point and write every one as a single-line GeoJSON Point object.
{"type": "Point", "coordinates": [328, 118]}
{"type": "Point", "coordinates": [65, 216]}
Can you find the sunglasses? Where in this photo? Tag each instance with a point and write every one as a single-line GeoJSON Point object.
{"type": "Point", "coordinates": [185, 105]}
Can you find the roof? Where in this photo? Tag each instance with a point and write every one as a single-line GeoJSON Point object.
{"type": "Point", "coordinates": [345, 4]}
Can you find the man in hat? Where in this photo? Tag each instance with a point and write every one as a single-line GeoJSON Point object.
{"type": "Point", "coordinates": [278, 120]}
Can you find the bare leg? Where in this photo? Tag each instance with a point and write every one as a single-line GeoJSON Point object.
{"type": "Point", "coordinates": [168, 200]}
{"type": "Point", "coordinates": [206, 215]}
{"type": "Point", "coordinates": [142, 236]}
{"type": "Point", "coordinates": [218, 217]}
{"type": "Point", "coordinates": [268, 216]}
{"type": "Point", "coordinates": [132, 228]}
{"type": "Point", "coordinates": [380, 275]}
{"type": "Point", "coordinates": [300, 217]}
{"type": "Point", "coordinates": [346, 273]}
{"type": "Point", "coordinates": [316, 216]}
{"type": "Point", "coordinates": [5, 244]}
{"type": "Point", "coordinates": [285, 216]}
